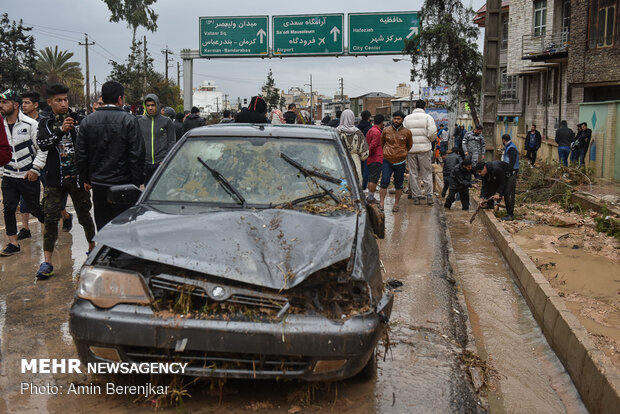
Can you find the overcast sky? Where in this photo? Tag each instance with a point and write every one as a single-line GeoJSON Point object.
{"type": "Point", "coordinates": [64, 23]}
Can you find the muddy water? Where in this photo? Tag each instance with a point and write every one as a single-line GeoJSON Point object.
{"type": "Point", "coordinates": [527, 376]}
{"type": "Point", "coordinates": [420, 373]}
{"type": "Point", "coordinates": [589, 282]}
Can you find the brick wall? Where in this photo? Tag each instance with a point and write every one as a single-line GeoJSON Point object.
{"type": "Point", "coordinates": [589, 65]}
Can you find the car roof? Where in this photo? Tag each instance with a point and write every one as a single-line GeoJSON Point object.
{"type": "Point", "coordinates": [264, 130]}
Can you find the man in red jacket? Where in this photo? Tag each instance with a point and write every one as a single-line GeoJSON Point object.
{"type": "Point", "coordinates": [5, 149]}
{"type": "Point", "coordinates": [375, 156]}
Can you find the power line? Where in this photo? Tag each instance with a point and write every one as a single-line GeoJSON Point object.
{"type": "Point", "coordinates": [53, 28]}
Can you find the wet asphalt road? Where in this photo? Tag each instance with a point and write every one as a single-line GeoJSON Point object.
{"type": "Point", "coordinates": [422, 371]}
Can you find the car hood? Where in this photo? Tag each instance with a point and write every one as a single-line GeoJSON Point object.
{"type": "Point", "coordinates": [273, 248]}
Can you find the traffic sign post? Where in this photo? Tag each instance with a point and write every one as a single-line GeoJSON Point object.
{"type": "Point", "coordinates": [234, 36]}
{"type": "Point", "coordinates": [381, 33]}
{"type": "Point", "coordinates": [308, 35]}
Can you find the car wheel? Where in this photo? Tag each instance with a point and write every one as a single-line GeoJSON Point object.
{"type": "Point", "coordinates": [369, 372]}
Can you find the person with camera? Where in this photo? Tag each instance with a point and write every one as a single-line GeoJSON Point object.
{"type": "Point", "coordinates": [57, 135]}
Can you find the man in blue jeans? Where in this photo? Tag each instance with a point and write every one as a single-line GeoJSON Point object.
{"type": "Point", "coordinates": [563, 137]}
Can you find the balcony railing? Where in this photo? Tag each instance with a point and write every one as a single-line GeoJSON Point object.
{"type": "Point", "coordinates": [546, 46]}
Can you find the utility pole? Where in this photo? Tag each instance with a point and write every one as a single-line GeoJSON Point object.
{"type": "Point", "coordinates": [86, 44]}
{"type": "Point", "coordinates": [179, 74]}
{"type": "Point", "coordinates": [95, 81]}
{"type": "Point", "coordinates": [225, 101]}
{"type": "Point", "coordinates": [311, 101]}
{"type": "Point", "coordinates": [145, 82]}
{"type": "Point", "coordinates": [167, 52]}
{"type": "Point", "coordinates": [342, 93]}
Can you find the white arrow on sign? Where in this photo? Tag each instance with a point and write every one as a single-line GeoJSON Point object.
{"type": "Point", "coordinates": [335, 31]}
{"type": "Point", "coordinates": [260, 34]}
{"type": "Point", "coordinates": [414, 31]}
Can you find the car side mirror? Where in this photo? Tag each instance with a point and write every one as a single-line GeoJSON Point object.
{"type": "Point", "coordinates": [377, 220]}
{"type": "Point", "coordinates": [126, 194]}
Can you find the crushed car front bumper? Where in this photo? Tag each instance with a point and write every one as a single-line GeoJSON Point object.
{"type": "Point", "coordinates": [309, 347]}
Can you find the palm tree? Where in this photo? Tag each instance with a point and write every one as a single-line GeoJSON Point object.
{"type": "Point", "coordinates": [54, 65]}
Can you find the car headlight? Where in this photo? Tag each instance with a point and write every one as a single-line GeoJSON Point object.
{"type": "Point", "coordinates": [106, 287]}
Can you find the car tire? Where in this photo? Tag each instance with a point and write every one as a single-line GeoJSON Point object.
{"type": "Point", "coordinates": [369, 372]}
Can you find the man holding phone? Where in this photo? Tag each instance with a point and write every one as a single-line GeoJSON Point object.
{"type": "Point", "coordinates": [57, 135]}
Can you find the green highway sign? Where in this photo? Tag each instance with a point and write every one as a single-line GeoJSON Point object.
{"type": "Point", "coordinates": [234, 36]}
{"type": "Point", "coordinates": [381, 33]}
{"type": "Point", "coordinates": [308, 35]}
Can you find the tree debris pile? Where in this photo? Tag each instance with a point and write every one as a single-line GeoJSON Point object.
{"type": "Point", "coordinates": [549, 182]}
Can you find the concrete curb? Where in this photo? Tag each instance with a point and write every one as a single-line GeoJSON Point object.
{"type": "Point", "coordinates": [589, 202]}
{"type": "Point", "coordinates": [596, 378]}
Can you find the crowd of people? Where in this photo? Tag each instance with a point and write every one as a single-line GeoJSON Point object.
{"type": "Point", "coordinates": [73, 155]}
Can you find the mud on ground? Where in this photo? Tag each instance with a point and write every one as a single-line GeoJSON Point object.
{"type": "Point", "coordinates": [582, 264]}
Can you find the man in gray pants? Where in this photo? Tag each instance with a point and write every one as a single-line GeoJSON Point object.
{"type": "Point", "coordinates": [424, 131]}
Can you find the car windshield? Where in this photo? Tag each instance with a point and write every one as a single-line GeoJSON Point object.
{"type": "Point", "coordinates": [255, 172]}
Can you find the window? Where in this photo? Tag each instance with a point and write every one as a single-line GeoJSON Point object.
{"type": "Point", "coordinates": [540, 17]}
{"type": "Point", "coordinates": [504, 44]}
{"type": "Point", "coordinates": [509, 86]}
{"type": "Point", "coordinates": [603, 24]}
{"type": "Point", "coordinates": [566, 16]}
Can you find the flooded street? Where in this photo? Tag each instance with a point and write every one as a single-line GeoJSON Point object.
{"type": "Point", "coordinates": [422, 371]}
{"type": "Point", "coordinates": [528, 377]}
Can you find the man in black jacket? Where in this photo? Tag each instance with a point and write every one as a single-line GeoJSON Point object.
{"type": "Point", "coordinates": [583, 142]}
{"type": "Point", "coordinates": [563, 137]}
{"type": "Point", "coordinates": [255, 113]}
{"type": "Point", "coordinates": [497, 182]}
{"type": "Point", "coordinates": [194, 120]}
{"type": "Point", "coordinates": [290, 116]}
{"type": "Point", "coordinates": [57, 135]}
{"type": "Point", "coordinates": [110, 151]}
{"type": "Point", "coordinates": [450, 163]}
{"type": "Point", "coordinates": [533, 141]}
{"type": "Point", "coordinates": [460, 181]}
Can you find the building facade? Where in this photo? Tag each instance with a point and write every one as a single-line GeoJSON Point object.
{"type": "Point", "coordinates": [375, 102]}
{"type": "Point", "coordinates": [208, 99]}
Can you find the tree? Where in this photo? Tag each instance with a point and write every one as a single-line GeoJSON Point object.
{"type": "Point", "coordinates": [447, 51]}
{"type": "Point", "coordinates": [135, 12]}
{"type": "Point", "coordinates": [17, 55]}
{"type": "Point", "coordinates": [132, 75]}
{"type": "Point", "coordinates": [55, 67]}
{"type": "Point", "coordinates": [272, 94]}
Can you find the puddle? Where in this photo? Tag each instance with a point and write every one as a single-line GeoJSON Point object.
{"type": "Point", "coordinates": [588, 280]}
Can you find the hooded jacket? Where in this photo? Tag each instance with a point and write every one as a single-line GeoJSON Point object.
{"type": "Point", "coordinates": [110, 148]}
{"type": "Point", "coordinates": [192, 121]}
{"type": "Point", "coordinates": [423, 130]}
{"type": "Point", "coordinates": [460, 178]}
{"type": "Point", "coordinates": [255, 113]}
{"type": "Point", "coordinates": [158, 133]}
{"type": "Point", "coordinates": [450, 163]}
{"type": "Point", "coordinates": [564, 135]}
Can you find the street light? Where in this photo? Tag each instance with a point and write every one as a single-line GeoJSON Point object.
{"type": "Point", "coordinates": [399, 59]}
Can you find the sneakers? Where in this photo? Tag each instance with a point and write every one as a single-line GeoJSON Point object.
{"type": "Point", "coordinates": [509, 217]}
{"type": "Point", "coordinates": [67, 224]}
{"type": "Point", "coordinates": [45, 271]}
{"type": "Point", "coordinates": [429, 200]}
{"type": "Point", "coordinates": [24, 234]}
{"type": "Point", "coordinates": [10, 250]}
{"type": "Point", "coordinates": [416, 201]}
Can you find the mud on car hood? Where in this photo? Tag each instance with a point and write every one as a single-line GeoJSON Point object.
{"type": "Point", "coordinates": [273, 248]}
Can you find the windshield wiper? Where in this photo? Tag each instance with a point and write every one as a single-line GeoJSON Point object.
{"type": "Point", "coordinates": [230, 189]}
{"type": "Point", "coordinates": [325, 192]}
{"type": "Point", "coordinates": [307, 172]}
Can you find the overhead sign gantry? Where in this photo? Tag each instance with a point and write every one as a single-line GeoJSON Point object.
{"type": "Point", "coordinates": [298, 35]}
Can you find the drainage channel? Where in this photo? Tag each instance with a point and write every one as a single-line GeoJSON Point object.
{"type": "Point", "coordinates": [526, 375]}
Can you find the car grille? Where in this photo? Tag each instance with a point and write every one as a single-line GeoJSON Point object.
{"type": "Point", "coordinates": [203, 294]}
{"type": "Point", "coordinates": [221, 364]}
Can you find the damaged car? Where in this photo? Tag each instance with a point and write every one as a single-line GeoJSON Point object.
{"type": "Point", "coordinates": [251, 254]}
